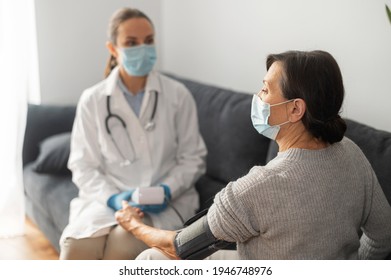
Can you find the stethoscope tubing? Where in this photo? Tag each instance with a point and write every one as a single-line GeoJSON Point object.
{"type": "Point", "coordinates": [149, 126]}
{"type": "Point", "coordinates": [111, 115]}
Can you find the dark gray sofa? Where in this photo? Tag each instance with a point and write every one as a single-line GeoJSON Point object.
{"type": "Point", "coordinates": [233, 148]}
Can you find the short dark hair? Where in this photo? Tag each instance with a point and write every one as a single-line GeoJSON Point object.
{"type": "Point", "coordinates": [315, 77]}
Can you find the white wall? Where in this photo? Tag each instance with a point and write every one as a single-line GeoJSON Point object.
{"type": "Point", "coordinates": [225, 43]}
{"type": "Point", "coordinates": [71, 43]}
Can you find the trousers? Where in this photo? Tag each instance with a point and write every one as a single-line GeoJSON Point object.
{"type": "Point", "coordinates": [155, 254]}
{"type": "Point", "coordinates": [117, 245]}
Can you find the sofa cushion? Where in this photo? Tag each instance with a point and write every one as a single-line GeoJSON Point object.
{"type": "Point", "coordinates": [376, 145]}
{"type": "Point", "coordinates": [234, 146]}
{"type": "Point", "coordinates": [44, 121]}
{"type": "Point", "coordinates": [53, 154]}
{"type": "Point", "coordinates": [207, 189]}
{"type": "Point", "coordinates": [51, 193]}
{"type": "Point", "coordinates": [272, 152]}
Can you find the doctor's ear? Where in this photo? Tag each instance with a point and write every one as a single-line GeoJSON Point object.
{"type": "Point", "coordinates": [111, 48]}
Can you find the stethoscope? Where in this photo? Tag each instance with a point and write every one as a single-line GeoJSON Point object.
{"type": "Point", "coordinates": [150, 125]}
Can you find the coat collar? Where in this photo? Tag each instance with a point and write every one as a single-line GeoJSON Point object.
{"type": "Point", "coordinates": [153, 82]}
{"type": "Point", "coordinates": [119, 101]}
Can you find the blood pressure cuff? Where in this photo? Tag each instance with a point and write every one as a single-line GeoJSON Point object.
{"type": "Point", "coordinates": [196, 241]}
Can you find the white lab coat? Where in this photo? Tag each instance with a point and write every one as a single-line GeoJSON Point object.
{"type": "Point", "coordinates": [172, 153]}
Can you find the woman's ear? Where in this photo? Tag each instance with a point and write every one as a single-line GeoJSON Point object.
{"type": "Point", "coordinates": [297, 110]}
{"type": "Point", "coordinates": [111, 48]}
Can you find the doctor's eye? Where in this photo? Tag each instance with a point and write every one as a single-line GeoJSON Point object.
{"type": "Point", "coordinates": [131, 43]}
{"type": "Point", "coordinates": [149, 41]}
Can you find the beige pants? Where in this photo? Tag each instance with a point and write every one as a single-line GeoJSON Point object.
{"type": "Point", "coordinates": [155, 254]}
{"type": "Point", "coordinates": [117, 245]}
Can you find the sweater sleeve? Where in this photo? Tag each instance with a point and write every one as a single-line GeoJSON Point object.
{"type": "Point", "coordinates": [375, 242]}
{"type": "Point", "coordinates": [229, 219]}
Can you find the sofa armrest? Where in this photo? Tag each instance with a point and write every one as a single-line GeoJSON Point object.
{"type": "Point", "coordinates": [44, 121]}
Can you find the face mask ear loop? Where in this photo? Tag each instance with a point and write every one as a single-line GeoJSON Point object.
{"type": "Point", "coordinates": [281, 124]}
{"type": "Point", "coordinates": [283, 102]}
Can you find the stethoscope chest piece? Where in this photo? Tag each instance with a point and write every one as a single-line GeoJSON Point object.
{"type": "Point", "coordinates": [150, 126]}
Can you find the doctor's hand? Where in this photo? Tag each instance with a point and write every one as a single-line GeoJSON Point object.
{"type": "Point", "coordinates": [155, 208]}
{"type": "Point", "coordinates": [115, 201]}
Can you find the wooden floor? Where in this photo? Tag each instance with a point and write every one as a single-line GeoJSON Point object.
{"type": "Point", "coordinates": [32, 246]}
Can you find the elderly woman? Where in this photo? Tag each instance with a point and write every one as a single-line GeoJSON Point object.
{"type": "Point", "coordinates": [318, 199]}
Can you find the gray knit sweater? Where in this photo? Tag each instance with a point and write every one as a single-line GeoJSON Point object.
{"type": "Point", "coordinates": [306, 204]}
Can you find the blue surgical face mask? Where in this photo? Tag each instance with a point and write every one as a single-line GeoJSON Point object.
{"type": "Point", "coordinates": [260, 113]}
{"type": "Point", "coordinates": [138, 60]}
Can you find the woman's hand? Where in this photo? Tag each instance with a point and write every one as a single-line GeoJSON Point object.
{"type": "Point", "coordinates": [129, 217]}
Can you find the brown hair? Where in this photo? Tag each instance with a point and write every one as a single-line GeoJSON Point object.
{"type": "Point", "coordinates": [316, 78]}
{"type": "Point", "coordinates": [117, 18]}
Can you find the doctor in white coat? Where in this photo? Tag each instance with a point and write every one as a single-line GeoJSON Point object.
{"type": "Point", "coordinates": [136, 128]}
